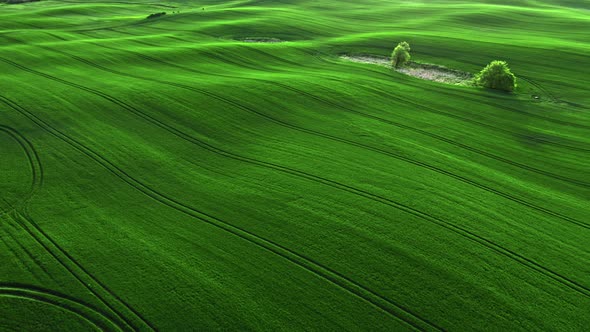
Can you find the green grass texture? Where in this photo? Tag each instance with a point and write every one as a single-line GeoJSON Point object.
{"type": "Point", "coordinates": [165, 174]}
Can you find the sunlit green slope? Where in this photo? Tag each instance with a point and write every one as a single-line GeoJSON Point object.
{"type": "Point", "coordinates": [164, 174]}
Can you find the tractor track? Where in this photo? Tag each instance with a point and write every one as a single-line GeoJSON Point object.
{"type": "Point", "coordinates": [447, 140]}
{"type": "Point", "coordinates": [382, 93]}
{"type": "Point", "coordinates": [18, 257]}
{"type": "Point", "coordinates": [436, 169]}
{"type": "Point", "coordinates": [434, 89]}
{"type": "Point", "coordinates": [276, 248]}
{"type": "Point", "coordinates": [16, 239]}
{"type": "Point", "coordinates": [551, 96]}
{"type": "Point", "coordinates": [380, 199]}
{"type": "Point", "coordinates": [540, 87]}
{"type": "Point", "coordinates": [81, 274]}
{"type": "Point", "coordinates": [408, 81]}
{"type": "Point", "coordinates": [468, 120]}
{"type": "Point", "coordinates": [33, 160]}
{"type": "Point", "coordinates": [316, 268]}
{"type": "Point", "coordinates": [364, 87]}
{"type": "Point", "coordinates": [397, 156]}
{"type": "Point", "coordinates": [334, 138]}
{"type": "Point", "coordinates": [83, 310]}
{"type": "Point", "coordinates": [383, 120]}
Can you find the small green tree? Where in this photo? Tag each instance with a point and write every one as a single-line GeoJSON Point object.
{"type": "Point", "coordinates": [400, 55]}
{"type": "Point", "coordinates": [497, 76]}
{"type": "Point", "coordinates": [405, 45]}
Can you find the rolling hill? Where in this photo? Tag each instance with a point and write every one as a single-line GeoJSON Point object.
{"type": "Point", "coordinates": [221, 167]}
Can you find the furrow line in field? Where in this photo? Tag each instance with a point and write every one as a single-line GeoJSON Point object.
{"type": "Point", "coordinates": [159, 28]}
{"type": "Point", "coordinates": [23, 295]}
{"type": "Point", "coordinates": [551, 96]}
{"type": "Point", "coordinates": [14, 209]}
{"type": "Point", "coordinates": [18, 258]}
{"type": "Point", "coordinates": [434, 168]}
{"type": "Point", "coordinates": [468, 120]}
{"type": "Point", "coordinates": [540, 87]}
{"type": "Point", "coordinates": [380, 92]}
{"type": "Point", "coordinates": [383, 93]}
{"type": "Point", "coordinates": [410, 81]}
{"type": "Point", "coordinates": [282, 123]}
{"type": "Point", "coordinates": [450, 141]}
{"type": "Point", "coordinates": [83, 310]}
{"type": "Point", "coordinates": [458, 229]}
{"type": "Point", "coordinates": [311, 265]}
{"type": "Point", "coordinates": [11, 231]}
{"type": "Point", "coordinates": [33, 160]}
{"type": "Point", "coordinates": [364, 87]}
{"type": "Point", "coordinates": [82, 275]}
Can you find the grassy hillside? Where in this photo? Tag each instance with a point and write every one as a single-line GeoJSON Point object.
{"type": "Point", "coordinates": [164, 174]}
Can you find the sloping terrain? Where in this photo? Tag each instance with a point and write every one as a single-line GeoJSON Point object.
{"type": "Point", "coordinates": [222, 167]}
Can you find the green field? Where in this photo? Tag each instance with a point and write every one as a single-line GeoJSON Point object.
{"type": "Point", "coordinates": [166, 174]}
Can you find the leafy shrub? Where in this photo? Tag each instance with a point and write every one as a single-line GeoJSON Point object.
{"type": "Point", "coordinates": [405, 45]}
{"type": "Point", "coordinates": [497, 76]}
{"type": "Point", "coordinates": [400, 55]}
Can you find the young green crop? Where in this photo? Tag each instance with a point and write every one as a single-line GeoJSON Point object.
{"type": "Point", "coordinates": [188, 173]}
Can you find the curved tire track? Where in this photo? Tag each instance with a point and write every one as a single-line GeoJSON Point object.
{"type": "Point", "coordinates": [382, 93]}
{"type": "Point", "coordinates": [82, 275]}
{"type": "Point", "coordinates": [33, 159]}
{"type": "Point", "coordinates": [11, 231]}
{"type": "Point", "coordinates": [383, 120]}
{"type": "Point", "coordinates": [359, 192]}
{"type": "Point", "coordinates": [370, 296]}
{"type": "Point", "coordinates": [409, 81]}
{"type": "Point", "coordinates": [338, 139]}
{"type": "Point", "coordinates": [540, 87]}
{"type": "Point", "coordinates": [79, 308]}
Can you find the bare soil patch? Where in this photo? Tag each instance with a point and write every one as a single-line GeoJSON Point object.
{"type": "Point", "coordinates": [260, 40]}
{"type": "Point", "coordinates": [425, 71]}
{"type": "Point", "coordinates": [370, 59]}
